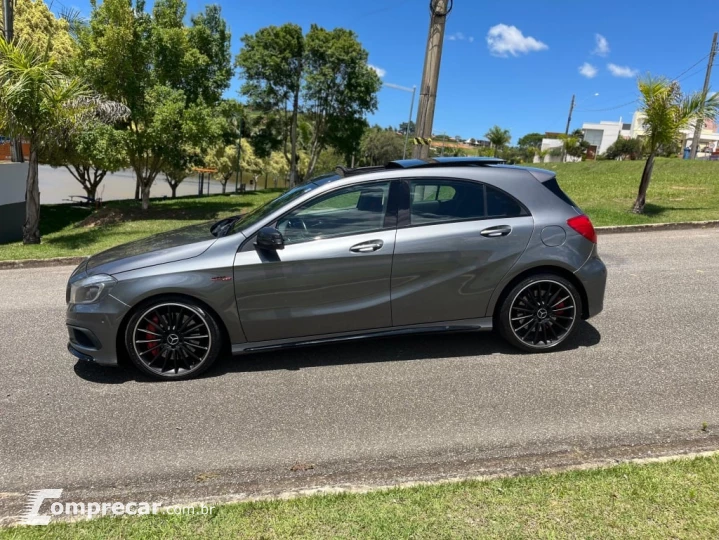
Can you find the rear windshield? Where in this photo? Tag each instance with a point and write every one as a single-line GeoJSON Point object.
{"type": "Point", "coordinates": [553, 186]}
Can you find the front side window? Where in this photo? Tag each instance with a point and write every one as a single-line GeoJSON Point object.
{"type": "Point", "coordinates": [440, 201]}
{"type": "Point", "coordinates": [349, 211]}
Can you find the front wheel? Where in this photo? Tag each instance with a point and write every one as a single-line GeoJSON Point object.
{"type": "Point", "coordinates": [540, 313]}
{"type": "Point", "coordinates": [173, 338]}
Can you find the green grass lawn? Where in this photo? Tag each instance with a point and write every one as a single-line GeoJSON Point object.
{"type": "Point", "coordinates": [680, 191]}
{"type": "Point", "coordinates": [677, 499]}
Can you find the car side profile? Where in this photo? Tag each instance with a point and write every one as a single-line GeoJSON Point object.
{"type": "Point", "coordinates": [448, 244]}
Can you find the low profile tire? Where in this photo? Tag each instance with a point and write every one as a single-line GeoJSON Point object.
{"type": "Point", "coordinates": [172, 338]}
{"type": "Point", "coordinates": [540, 313]}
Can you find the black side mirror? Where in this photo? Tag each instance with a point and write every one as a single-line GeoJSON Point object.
{"type": "Point", "coordinates": [270, 238]}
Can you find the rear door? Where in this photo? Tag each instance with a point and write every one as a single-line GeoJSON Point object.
{"type": "Point", "coordinates": [455, 241]}
{"type": "Point", "coordinates": [333, 275]}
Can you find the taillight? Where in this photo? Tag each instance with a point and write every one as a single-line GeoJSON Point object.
{"type": "Point", "coordinates": [583, 225]}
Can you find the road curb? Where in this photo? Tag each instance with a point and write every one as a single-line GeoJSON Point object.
{"type": "Point", "coordinates": [41, 263]}
{"type": "Point", "coordinates": [648, 227]}
{"type": "Point", "coordinates": [615, 229]}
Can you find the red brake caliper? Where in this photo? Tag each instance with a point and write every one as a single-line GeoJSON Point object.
{"type": "Point", "coordinates": [148, 336]}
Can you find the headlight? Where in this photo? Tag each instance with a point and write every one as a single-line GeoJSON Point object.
{"type": "Point", "coordinates": [90, 289]}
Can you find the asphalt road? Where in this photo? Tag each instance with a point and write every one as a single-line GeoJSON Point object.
{"type": "Point", "coordinates": [639, 379]}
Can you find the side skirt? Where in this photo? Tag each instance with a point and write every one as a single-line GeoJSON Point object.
{"type": "Point", "coordinates": [483, 324]}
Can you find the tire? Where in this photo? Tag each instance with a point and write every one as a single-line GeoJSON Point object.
{"type": "Point", "coordinates": [173, 338]}
{"type": "Point", "coordinates": [539, 313]}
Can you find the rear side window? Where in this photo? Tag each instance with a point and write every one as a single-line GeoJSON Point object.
{"type": "Point", "coordinates": [553, 186]}
{"type": "Point", "coordinates": [440, 201]}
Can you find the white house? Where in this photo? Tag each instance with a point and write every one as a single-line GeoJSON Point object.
{"type": "Point", "coordinates": [605, 133]}
{"type": "Point", "coordinates": [708, 141]}
{"type": "Point", "coordinates": [13, 177]}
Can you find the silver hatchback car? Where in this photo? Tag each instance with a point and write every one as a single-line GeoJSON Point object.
{"type": "Point", "coordinates": [414, 246]}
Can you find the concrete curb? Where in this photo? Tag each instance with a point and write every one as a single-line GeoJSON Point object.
{"type": "Point", "coordinates": [41, 263]}
{"type": "Point", "coordinates": [648, 227]}
{"type": "Point", "coordinates": [658, 227]}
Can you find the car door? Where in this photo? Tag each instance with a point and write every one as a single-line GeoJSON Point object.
{"type": "Point", "coordinates": [333, 274]}
{"type": "Point", "coordinates": [456, 239]}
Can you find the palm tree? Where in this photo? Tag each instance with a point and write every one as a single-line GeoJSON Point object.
{"type": "Point", "coordinates": [667, 112]}
{"type": "Point", "coordinates": [498, 137]}
{"type": "Point", "coordinates": [39, 103]}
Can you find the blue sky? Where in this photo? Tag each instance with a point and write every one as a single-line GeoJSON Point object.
{"type": "Point", "coordinates": [526, 82]}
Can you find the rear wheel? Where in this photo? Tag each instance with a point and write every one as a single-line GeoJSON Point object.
{"type": "Point", "coordinates": [173, 338]}
{"type": "Point", "coordinates": [540, 313]}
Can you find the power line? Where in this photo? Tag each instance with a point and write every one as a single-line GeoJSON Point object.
{"type": "Point", "coordinates": [691, 67]}
{"type": "Point", "coordinates": [609, 108]}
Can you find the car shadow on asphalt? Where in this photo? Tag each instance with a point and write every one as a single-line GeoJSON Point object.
{"type": "Point", "coordinates": [388, 349]}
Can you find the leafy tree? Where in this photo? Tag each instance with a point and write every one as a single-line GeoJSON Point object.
{"type": "Point", "coordinates": [165, 72]}
{"type": "Point", "coordinates": [531, 140]}
{"type": "Point", "coordinates": [272, 64]}
{"type": "Point", "coordinates": [498, 137]}
{"type": "Point", "coordinates": [34, 22]}
{"type": "Point", "coordinates": [36, 100]}
{"type": "Point", "coordinates": [88, 152]}
{"type": "Point", "coordinates": [340, 87]}
{"type": "Point", "coordinates": [379, 147]}
{"type": "Point", "coordinates": [403, 127]}
{"type": "Point", "coordinates": [625, 148]}
{"type": "Point", "coordinates": [667, 111]}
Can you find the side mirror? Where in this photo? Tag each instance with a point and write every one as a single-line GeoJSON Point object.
{"type": "Point", "coordinates": [270, 238]}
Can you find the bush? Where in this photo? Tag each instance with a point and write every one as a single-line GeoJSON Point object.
{"type": "Point", "coordinates": [625, 148]}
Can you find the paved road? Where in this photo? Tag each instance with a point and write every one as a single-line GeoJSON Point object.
{"type": "Point", "coordinates": [641, 378]}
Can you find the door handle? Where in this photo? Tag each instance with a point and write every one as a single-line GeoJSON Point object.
{"type": "Point", "coordinates": [367, 247]}
{"type": "Point", "coordinates": [494, 232]}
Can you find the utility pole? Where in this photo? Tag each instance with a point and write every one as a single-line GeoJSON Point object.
{"type": "Point", "coordinates": [8, 25]}
{"type": "Point", "coordinates": [439, 9]}
{"type": "Point", "coordinates": [707, 81]}
{"type": "Point", "coordinates": [566, 131]}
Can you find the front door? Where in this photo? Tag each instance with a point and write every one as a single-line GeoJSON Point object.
{"type": "Point", "coordinates": [333, 275]}
{"type": "Point", "coordinates": [458, 240]}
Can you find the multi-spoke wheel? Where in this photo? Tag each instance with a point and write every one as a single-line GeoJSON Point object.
{"type": "Point", "coordinates": [540, 312]}
{"type": "Point", "coordinates": [172, 339]}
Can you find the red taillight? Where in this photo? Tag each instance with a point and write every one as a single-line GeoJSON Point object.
{"type": "Point", "coordinates": [583, 225]}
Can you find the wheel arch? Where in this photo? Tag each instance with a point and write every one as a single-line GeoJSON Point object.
{"type": "Point", "coordinates": [543, 269]}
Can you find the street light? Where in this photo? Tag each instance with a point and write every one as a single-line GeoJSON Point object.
{"type": "Point", "coordinates": [411, 111]}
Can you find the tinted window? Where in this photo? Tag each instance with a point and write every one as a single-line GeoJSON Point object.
{"type": "Point", "coordinates": [436, 201]}
{"type": "Point", "coordinates": [553, 186]}
{"type": "Point", "coordinates": [353, 210]}
{"type": "Point", "coordinates": [500, 205]}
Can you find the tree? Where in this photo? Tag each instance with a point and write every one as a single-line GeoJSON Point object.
{"type": "Point", "coordinates": [34, 22]}
{"type": "Point", "coordinates": [36, 99]}
{"type": "Point", "coordinates": [165, 72]}
{"type": "Point", "coordinates": [379, 147]}
{"type": "Point", "coordinates": [531, 140]}
{"type": "Point", "coordinates": [272, 64]}
{"type": "Point", "coordinates": [340, 88]}
{"type": "Point", "coordinates": [667, 111]}
{"type": "Point", "coordinates": [498, 137]}
{"type": "Point", "coordinates": [88, 152]}
{"type": "Point", "coordinates": [403, 127]}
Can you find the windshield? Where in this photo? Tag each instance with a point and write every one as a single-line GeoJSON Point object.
{"type": "Point", "coordinates": [258, 214]}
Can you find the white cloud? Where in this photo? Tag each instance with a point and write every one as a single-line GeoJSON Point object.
{"type": "Point", "coordinates": [602, 48]}
{"type": "Point", "coordinates": [471, 39]}
{"type": "Point", "coordinates": [378, 70]}
{"type": "Point", "coordinates": [459, 36]}
{"type": "Point", "coordinates": [622, 71]}
{"type": "Point", "coordinates": [503, 39]}
{"type": "Point", "coordinates": [588, 70]}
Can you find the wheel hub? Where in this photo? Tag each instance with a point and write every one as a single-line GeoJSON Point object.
{"type": "Point", "coordinates": [542, 314]}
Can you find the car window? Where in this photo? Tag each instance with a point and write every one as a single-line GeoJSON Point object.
{"type": "Point", "coordinates": [348, 211]}
{"type": "Point", "coordinates": [500, 205]}
{"type": "Point", "coordinates": [436, 201]}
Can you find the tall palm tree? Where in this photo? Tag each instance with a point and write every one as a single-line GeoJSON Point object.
{"type": "Point", "coordinates": [498, 137]}
{"type": "Point", "coordinates": [667, 112]}
{"type": "Point", "coordinates": [39, 103]}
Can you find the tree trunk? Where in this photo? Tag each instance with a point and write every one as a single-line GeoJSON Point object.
{"type": "Point", "coordinates": [224, 187]}
{"type": "Point", "coordinates": [173, 187]}
{"type": "Point", "coordinates": [293, 136]}
{"type": "Point", "coordinates": [137, 188]}
{"type": "Point", "coordinates": [146, 196]}
{"type": "Point", "coordinates": [31, 229]}
{"type": "Point", "coordinates": [644, 185]}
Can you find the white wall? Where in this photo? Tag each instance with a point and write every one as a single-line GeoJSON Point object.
{"type": "Point", "coordinates": [13, 177]}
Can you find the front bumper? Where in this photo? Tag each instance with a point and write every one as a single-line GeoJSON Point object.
{"type": "Point", "coordinates": [92, 330]}
{"type": "Point", "coordinates": [593, 276]}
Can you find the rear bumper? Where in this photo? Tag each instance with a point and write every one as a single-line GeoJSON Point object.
{"type": "Point", "coordinates": [92, 330]}
{"type": "Point", "coordinates": [593, 276]}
